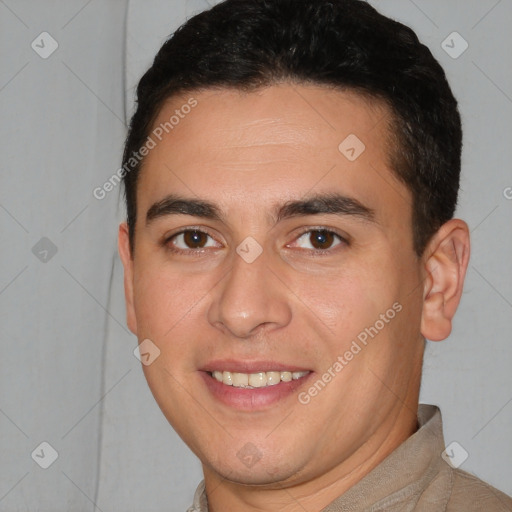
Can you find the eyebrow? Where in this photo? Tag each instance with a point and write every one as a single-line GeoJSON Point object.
{"type": "Point", "coordinates": [335, 204]}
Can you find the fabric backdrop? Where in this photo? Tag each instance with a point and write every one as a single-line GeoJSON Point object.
{"type": "Point", "coordinates": [73, 397]}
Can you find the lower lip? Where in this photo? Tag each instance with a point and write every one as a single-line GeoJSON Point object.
{"type": "Point", "coordinates": [255, 398]}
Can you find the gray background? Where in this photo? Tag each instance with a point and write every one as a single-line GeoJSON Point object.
{"type": "Point", "coordinates": [67, 371]}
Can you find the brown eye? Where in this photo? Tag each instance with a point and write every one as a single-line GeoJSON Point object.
{"type": "Point", "coordinates": [191, 239]}
{"type": "Point", "coordinates": [194, 239]}
{"type": "Point", "coordinates": [321, 239]}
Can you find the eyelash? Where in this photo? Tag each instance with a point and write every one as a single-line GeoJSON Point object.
{"type": "Point", "coordinates": [344, 240]}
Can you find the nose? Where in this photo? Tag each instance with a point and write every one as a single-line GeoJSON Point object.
{"type": "Point", "coordinates": [250, 299]}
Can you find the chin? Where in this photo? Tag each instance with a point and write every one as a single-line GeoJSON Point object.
{"type": "Point", "coordinates": [259, 474]}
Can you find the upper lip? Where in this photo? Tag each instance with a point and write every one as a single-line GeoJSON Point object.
{"type": "Point", "coordinates": [239, 366]}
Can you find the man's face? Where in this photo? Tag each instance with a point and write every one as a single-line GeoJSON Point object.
{"type": "Point", "coordinates": [305, 260]}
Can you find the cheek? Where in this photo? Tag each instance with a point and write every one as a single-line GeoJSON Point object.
{"type": "Point", "coordinates": [347, 302]}
{"type": "Point", "coordinates": [337, 302]}
{"type": "Point", "coordinates": [163, 301]}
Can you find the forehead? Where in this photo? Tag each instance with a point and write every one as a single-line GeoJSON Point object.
{"type": "Point", "coordinates": [286, 115]}
{"type": "Point", "coordinates": [278, 142]}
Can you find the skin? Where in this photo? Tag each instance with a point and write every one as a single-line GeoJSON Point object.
{"type": "Point", "coordinates": [301, 306]}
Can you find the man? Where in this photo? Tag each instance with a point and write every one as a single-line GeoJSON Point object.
{"type": "Point", "coordinates": [291, 175]}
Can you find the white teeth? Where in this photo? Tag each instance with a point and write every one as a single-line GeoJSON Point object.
{"type": "Point", "coordinates": [273, 378]}
{"type": "Point", "coordinates": [226, 378]}
{"type": "Point", "coordinates": [240, 380]}
{"type": "Point", "coordinates": [286, 376]}
{"type": "Point", "coordinates": [256, 380]}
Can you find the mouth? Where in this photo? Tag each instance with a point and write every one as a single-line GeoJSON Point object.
{"type": "Point", "coordinates": [253, 386]}
{"type": "Point", "coordinates": [255, 380]}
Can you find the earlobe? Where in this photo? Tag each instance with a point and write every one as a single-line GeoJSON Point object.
{"type": "Point", "coordinates": [123, 244]}
{"type": "Point", "coordinates": [446, 262]}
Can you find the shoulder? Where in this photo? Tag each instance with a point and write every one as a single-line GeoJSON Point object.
{"type": "Point", "coordinates": [469, 494]}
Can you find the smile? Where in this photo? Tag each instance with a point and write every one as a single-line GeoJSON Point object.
{"type": "Point", "coordinates": [257, 379]}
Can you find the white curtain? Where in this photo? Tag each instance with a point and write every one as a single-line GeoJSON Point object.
{"type": "Point", "coordinates": [73, 397]}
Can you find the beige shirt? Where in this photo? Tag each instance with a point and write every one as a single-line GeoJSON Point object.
{"type": "Point", "coordinates": [413, 477]}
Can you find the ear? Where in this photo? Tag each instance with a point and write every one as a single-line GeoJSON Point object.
{"type": "Point", "coordinates": [446, 260]}
{"type": "Point", "coordinates": [123, 245]}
